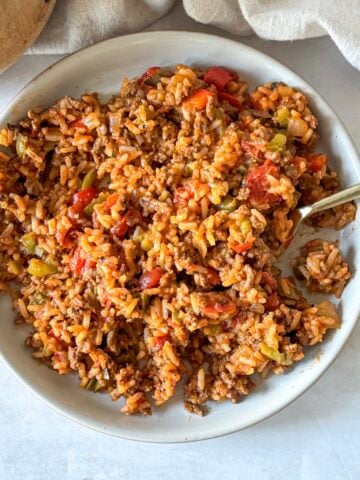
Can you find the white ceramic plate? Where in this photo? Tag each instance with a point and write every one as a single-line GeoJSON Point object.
{"type": "Point", "coordinates": [101, 68]}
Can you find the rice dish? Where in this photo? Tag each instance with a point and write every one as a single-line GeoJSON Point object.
{"type": "Point", "coordinates": [139, 236]}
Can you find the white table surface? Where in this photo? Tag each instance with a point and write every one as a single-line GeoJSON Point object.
{"type": "Point", "coordinates": [317, 437]}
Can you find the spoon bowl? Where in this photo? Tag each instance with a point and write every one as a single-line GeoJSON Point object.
{"type": "Point", "coordinates": [300, 214]}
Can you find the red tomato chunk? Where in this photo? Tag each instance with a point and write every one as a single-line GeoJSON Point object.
{"type": "Point", "coordinates": [150, 72]}
{"type": "Point", "coordinates": [219, 77]}
{"type": "Point", "coordinates": [81, 199]}
{"type": "Point", "coordinates": [258, 184]}
{"type": "Point", "coordinates": [233, 101]}
{"type": "Point", "coordinates": [121, 229]}
{"type": "Point", "coordinates": [151, 279]}
{"type": "Point", "coordinates": [131, 218]}
{"type": "Point", "coordinates": [317, 162]}
{"type": "Point", "coordinates": [79, 263]}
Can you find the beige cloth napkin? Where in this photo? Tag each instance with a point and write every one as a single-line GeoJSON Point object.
{"type": "Point", "coordinates": [77, 23]}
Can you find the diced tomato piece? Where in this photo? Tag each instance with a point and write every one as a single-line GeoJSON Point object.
{"type": "Point", "coordinates": [77, 124]}
{"type": "Point", "coordinates": [231, 99]}
{"type": "Point", "coordinates": [243, 247]}
{"type": "Point", "coordinates": [220, 306]}
{"type": "Point", "coordinates": [81, 199]}
{"type": "Point", "coordinates": [269, 280]}
{"type": "Point", "coordinates": [150, 72]}
{"type": "Point", "coordinates": [219, 77]}
{"type": "Point", "coordinates": [151, 279]}
{"type": "Point", "coordinates": [160, 341]}
{"type": "Point", "coordinates": [182, 196]}
{"type": "Point", "coordinates": [90, 264]}
{"type": "Point", "coordinates": [272, 301]}
{"type": "Point", "coordinates": [213, 276]}
{"type": "Point", "coordinates": [77, 263]}
{"type": "Point", "coordinates": [268, 168]}
{"type": "Point", "coordinates": [131, 218]}
{"type": "Point", "coordinates": [317, 162]}
{"type": "Point", "coordinates": [258, 184]}
{"type": "Point", "coordinates": [121, 229]}
{"type": "Point", "coordinates": [199, 99]}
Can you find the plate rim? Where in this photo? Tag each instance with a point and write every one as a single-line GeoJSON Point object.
{"type": "Point", "coordinates": [143, 435]}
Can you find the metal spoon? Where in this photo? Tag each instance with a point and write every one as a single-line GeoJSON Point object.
{"type": "Point", "coordinates": [299, 214]}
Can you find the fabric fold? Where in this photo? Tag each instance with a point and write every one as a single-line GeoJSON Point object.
{"type": "Point", "coordinates": [77, 23]}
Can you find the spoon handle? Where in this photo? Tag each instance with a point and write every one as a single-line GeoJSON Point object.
{"type": "Point", "coordinates": [350, 193]}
